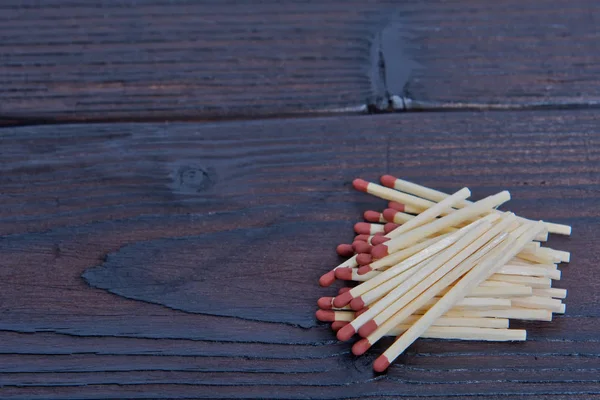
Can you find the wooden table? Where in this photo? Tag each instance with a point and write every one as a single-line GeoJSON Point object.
{"type": "Point", "coordinates": [174, 177]}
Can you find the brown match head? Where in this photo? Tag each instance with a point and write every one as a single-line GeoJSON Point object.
{"type": "Point", "coordinates": [346, 333]}
{"type": "Point", "coordinates": [381, 364]}
{"type": "Point", "coordinates": [388, 181]}
{"type": "Point", "coordinates": [343, 299]}
{"type": "Point", "coordinates": [337, 325]}
{"type": "Point", "coordinates": [360, 184]}
{"type": "Point", "coordinates": [364, 269]}
{"type": "Point", "coordinates": [325, 315]}
{"type": "Point", "coordinates": [327, 279]}
{"type": "Point", "coordinates": [357, 304]}
{"type": "Point", "coordinates": [396, 206]}
{"type": "Point", "coordinates": [325, 303]}
{"type": "Point", "coordinates": [361, 247]}
{"type": "Point", "coordinates": [361, 311]}
{"type": "Point", "coordinates": [345, 250]}
{"type": "Point", "coordinates": [371, 216]}
{"type": "Point", "coordinates": [390, 226]}
{"type": "Point", "coordinates": [379, 251]}
{"type": "Point", "coordinates": [361, 238]}
{"type": "Point", "coordinates": [389, 214]}
{"type": "Point", "coordinates": [361, 347]}
{"type": "Point", "coordinates": [362, 228]}
{"type": "Point", "coordinates": [367, 328]}
{"type": "Point", "coordinates": [364, 258]}
{"type": "Point", "coordinates": [344, 290]}
{"type": "Point", "coordinates": [344, 273]}
{"type": "Point", "coordinates": [378, 240]}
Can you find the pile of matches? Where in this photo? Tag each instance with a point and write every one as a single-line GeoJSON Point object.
{"type": "Point", "coordinates": [435, 265]}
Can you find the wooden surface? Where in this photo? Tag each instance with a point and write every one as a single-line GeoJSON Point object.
{"type": "Point", "coordinates": [72, 60]}
{"type": "Point", "coordinates": [180, 260]}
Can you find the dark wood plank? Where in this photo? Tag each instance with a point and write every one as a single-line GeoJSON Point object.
{"type": "Point", "coordinates": [152, 59]}
{"type": "Point", "coordinates": [116, 279]}
{"type": "Point", "coordinates": [71, 60]}
{"type": "Point", "coordinates": [511, 52]}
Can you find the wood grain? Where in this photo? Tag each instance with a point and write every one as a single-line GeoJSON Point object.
{"type": "Point", "coordinates": [156, 59]}
{"type": "Point", "coordinates": [180, 260]}
{"type": "Point", "coordinates": [511, 52]}
{"type": "Point", "coordinates": [71, 60]}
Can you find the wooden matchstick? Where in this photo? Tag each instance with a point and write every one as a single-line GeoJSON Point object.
{"type": "Point", "coordinates": [550, 292]}
{"type": "Point", "coordinates": [467, 333]}
{"type": "Point", "coordinates": [330, 316]}
{"type": "Point", "coordinates": [500, 291]}
{"type": "Point", "coordinates": [367, 228]}
{"type": "Point", "coordinates": [477, 274]}
{"type": "Point", "coordinates": [527, 314]}
{"type": "Point", "coordinates": [416, 203]}
{"type": "Point", "coordinates": [538, 302]}
{"type": "Point", "coordinates": [497, 323]}
{"type": "Point", "coordinates": [374, 216]}
{"type": "Point", "coordinates": [407, 238]}
{"type": "Point", "coordinates": [530, 271]}
{"type": "Point", "coordinates": [351, 274]}
{"type": "Point", "coordinates": [534, 282]}
{"type": "Point", "coordinates": [430, 214]}
{"type": "Point", "coordinates": [397, 217]}
{"type": "Point", "coordinates": [399, 256]}
{"type": "Point", "coordinates": [474, 303]}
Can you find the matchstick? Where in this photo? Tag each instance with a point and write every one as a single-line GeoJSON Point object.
{"type": "Point", "coordinates": [477, 274]}
{"type": "Point", "coordinates": [558, 228]}
{"type": "Point", "coordinates": [538, 302]}
{"type": "Point", "coordinates": [351, 274]}
{"type": "Point", "coordinates": [501, 291]}
{"type": "Point", "coordinates": [497, 323]}
{"type": "Point", "coordinates": [526, 314]}
{"type": "Point", "coordinates": [434, 195]}
{"type": "Point", "coordinates": [550, 292]}
{"type": "Point", "coordinates": [374, 216]}
{"type": "Point", "coordinates": [416, 203]}
{"type": "Point", "coordinates": [466, 333]}
{"type": "Point", "coordinates": [399, 256]}
{"type": "Point", "coordinates": [474, 303]}
{"type": "Point", "coordinates": [397, 217]}
{"type": "Point", "coordinates": [330, 316]}
{"type": "Point", "coordinates": [534, 282]}
{"type": "Point", "coordinates": [410, 237]}
{"type": "Point", "coordinates": [366, 228]}
{"type": "Point", "coordinates": [430, 214]}
{"type": "Point", "coordinates": [530, 271]}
